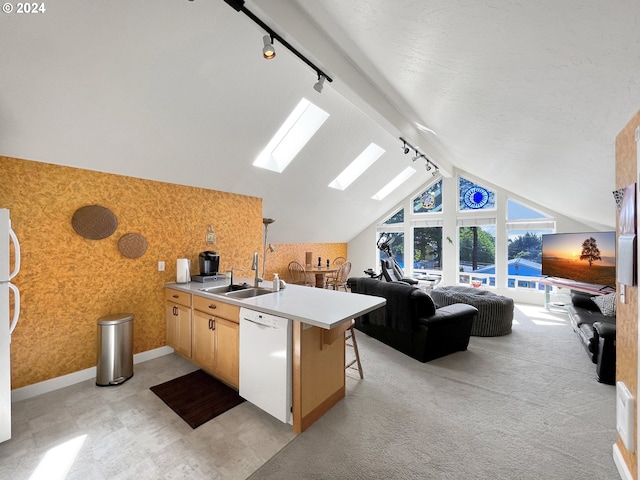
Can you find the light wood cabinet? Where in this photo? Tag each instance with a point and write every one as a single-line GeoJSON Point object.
{"type": "Point", "coordinates": [228, 351]}
{"type": "Point", "coordinates": [213, 337]}
{"type": "Point", "coordinates": [204, 341]}
{"type": "Point", "coordinates": [179, 328]}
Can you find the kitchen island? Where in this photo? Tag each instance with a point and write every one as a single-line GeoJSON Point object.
{"type": "Point", "coordinates": [319, 319]}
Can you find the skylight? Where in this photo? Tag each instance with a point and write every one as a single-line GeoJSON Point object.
{"type": "Point", "coordinates": [395, 183]}
{"type": "Point", "coordinates": [357, 167]}
{"type": "Point", "coordinates": [295, 132]}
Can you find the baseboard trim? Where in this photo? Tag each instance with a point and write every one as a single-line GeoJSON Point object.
{"type": "Point", "coordinates": [623, 470]}
{"type": "Point", "coordinates": [63, 381]}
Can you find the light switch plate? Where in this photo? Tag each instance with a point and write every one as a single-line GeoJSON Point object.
{"type": "Point", "coordinates": [161, 266]}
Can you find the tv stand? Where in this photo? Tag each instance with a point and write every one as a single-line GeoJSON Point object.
{"type": "Point", "coordinates": [548, 282]}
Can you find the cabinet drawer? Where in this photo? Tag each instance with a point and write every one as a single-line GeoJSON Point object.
{"type": "Point", "coordinates": [176, 296]}
{"type": "Point", "coordinates": [217, 308]}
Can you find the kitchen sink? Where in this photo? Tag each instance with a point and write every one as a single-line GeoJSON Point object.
{"type": "Point", "coordinates": [221, 290]}
{"type": "Point", "coordinates": [249, 292]}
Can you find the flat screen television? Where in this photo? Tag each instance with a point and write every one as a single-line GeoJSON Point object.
{"type": "Point", "coordinates": [587, 257]}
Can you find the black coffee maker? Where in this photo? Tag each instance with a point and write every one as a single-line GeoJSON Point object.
{"type": "Point", "coordinates": [209, 263]}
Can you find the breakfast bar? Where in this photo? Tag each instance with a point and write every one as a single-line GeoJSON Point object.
{"type": "Point", "coordinates": [318, 319]}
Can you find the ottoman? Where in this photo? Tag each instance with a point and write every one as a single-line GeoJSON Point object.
{"type": "Point", "coordinates": [495, 312]}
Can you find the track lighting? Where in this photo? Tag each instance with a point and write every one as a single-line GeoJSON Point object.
{"type": "Point", "coordinates": [320, 83]}
{"type": "Point", "coordinates": [268, 51]}
{"type": "Point", "coordinates": [406, 147]}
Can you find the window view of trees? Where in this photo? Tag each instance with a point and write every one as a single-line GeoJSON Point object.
{"type": "Point", "coordinates": [528, 246]}
{"type": "Point", "coordinates": [477, 247]}
{"type": "Point", "coordinates": [427, 248]}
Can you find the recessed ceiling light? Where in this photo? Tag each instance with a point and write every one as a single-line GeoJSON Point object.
{"type": "Point", "coordinates": [357, 167]}
{"type": "Point", "coordinates": [425, 129]}
{"type": "Point", "coordinates": [395, 183]}
{"type": "Point", "coordinates": [295, 132]}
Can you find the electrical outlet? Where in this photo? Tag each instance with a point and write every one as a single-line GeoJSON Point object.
{"type": "Point", "coordinates": [161, 266]}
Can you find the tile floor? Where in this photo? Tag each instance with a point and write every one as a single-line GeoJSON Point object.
{"type": "Point", "coordinates": [127, 432]}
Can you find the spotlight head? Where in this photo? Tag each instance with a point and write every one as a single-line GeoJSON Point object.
{"type": "Point", "coordinates": [406, 150]}
{"type": "Point", "coordinates": [268, 51]}
{"type": "Point", "coordinates": [428, 167]}
{"type": "Point", "coordinates": [320, 83]}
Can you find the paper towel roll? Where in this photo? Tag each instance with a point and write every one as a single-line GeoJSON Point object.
{"type": "Point", "coordinates": [183, 274]}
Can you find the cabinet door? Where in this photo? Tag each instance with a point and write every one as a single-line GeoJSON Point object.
{"type": "Point", "coordinates": [227, 347]}
{"type": "Point", "coordinates": [179, 328]}
{"type": "Point", "coordinates": [184, 331]}
{"type": "Point", "coordinates": [204, 341]}
{"type": "Point", "coordinates": [171, 315]}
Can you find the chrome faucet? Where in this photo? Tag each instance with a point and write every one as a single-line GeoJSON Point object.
{"type": "Point", "coordinates": [254, 266]}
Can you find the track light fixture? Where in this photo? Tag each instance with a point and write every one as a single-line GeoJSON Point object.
{"type": "Point", "coordinates": [269, 52]}
{"type": "Point", "coordinates": [320, 83]}
{"type": "Point", "coordinates": [429, 166]}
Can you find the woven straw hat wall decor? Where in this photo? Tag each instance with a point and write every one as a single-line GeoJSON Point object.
{"type": "Point", "coordinates": [132, 245]}
{"type": "Point", "coordinates": [94, 222]}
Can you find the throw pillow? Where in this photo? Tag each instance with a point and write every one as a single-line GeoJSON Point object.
{"type": "Point", "coordinates": [606, 304]}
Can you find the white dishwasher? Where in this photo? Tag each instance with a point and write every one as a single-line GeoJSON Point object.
{"type": "Point", "coordinates": [265, 362]}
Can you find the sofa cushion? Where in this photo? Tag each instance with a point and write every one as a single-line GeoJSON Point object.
{"type": "Point", "coordinates": [606, 304]}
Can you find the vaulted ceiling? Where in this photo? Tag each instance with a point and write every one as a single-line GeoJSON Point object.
{"type": "Point", "coordinates": [527, 95]}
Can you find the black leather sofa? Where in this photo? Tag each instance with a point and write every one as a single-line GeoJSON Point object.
{"type": "Point", "coordinates": [410, 321]}
{"type": "Point", "coordinates": [597, 333]}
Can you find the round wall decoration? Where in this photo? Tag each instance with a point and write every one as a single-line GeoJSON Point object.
{"type": "Point", "coordinates": [94, 222]}
{"type": "Point", "coordinates": [132, 245]}
{"type": "Point", "coordinates": [476, 197]}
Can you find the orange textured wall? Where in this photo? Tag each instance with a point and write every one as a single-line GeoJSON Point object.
{"type": "Point", "coordinates": [68, 282]}
{"type": "Point", "coordinates": [627, 313]}
{"type": "Point", "coordinates": [278, 261]}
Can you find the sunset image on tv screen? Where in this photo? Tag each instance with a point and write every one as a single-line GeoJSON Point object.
{"type": "Point", "coordinates": [583, 257]}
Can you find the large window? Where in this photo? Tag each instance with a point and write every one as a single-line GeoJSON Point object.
{"type": "Point", "coordinates": [427, 248]}
{"type": "Point", "coordinates": [478, 254]}
{"type": "Point", "coordinates": [474, 235]}
{"type": "Point", "coordinates": [525, 227]}
{"type": "Point", "coordinates": [396, 242]}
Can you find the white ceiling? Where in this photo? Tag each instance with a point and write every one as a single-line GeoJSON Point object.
{"type": "Point", "coordinates": [528, 95]}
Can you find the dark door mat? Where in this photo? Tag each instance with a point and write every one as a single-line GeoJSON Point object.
{"type": "Point", "coordinates": [197, 397]}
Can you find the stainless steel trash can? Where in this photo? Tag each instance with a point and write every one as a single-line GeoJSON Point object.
{"type": "Point", "coordinates": [115, 349]}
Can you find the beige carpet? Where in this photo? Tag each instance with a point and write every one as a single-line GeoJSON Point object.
{"type": "Point", "coordinates": [523, 406]}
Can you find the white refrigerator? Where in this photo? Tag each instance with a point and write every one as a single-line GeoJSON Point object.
{"type": "Point", "coordinates": [8, 319]}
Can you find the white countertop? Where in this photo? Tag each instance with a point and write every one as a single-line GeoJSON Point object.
{"type": "Point", "coordinates": [314, 306]}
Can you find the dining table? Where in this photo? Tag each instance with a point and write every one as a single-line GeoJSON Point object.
{"type": "Point", "coordinates": [321, 272]}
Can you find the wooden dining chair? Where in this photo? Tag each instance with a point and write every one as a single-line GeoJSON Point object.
{"type": "Point", "coordinates": [340, 279]}
{"type": "Point", "coordinates": [298, 274]}
{"type": "Point", "coordinates": [339, 261]}
{"type": "Point", "coordinates": [331, 277]}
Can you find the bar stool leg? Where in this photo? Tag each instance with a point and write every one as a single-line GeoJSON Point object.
{"type": "Point", "coordinates": [350, 334]}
